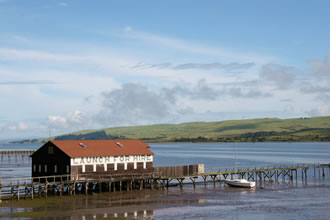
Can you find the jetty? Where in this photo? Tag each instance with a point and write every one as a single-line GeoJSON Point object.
{"type": "Point", "coordinates": [160, 178]}
{"type": "Point", "coordinates": [16, 151]}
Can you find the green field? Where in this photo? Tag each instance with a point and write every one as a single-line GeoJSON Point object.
{"type": "Point", "coordinates": [252, 130]}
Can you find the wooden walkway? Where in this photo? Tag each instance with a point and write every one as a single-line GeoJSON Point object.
{"type": "Point", "coordinates": [31, 187]}
{"type": "Point", "coordinates": [16, 151]}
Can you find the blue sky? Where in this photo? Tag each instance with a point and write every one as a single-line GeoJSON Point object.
{"type": "Point", "coordinates": [72, 65]}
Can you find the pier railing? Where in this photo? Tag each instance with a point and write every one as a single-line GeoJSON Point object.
{"type": "Point", "coordinates": [29, 187]}
{"type": "Point", "coordinates": [16, 151]}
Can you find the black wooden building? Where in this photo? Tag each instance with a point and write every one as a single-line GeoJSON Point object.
{"type": "Point", "coordinates": [92, 157]}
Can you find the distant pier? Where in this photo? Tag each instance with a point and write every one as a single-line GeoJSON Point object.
{"type": "Point", "coordinates": [16, 151]}
{"type": "Point", "coordinates": [161, 178]}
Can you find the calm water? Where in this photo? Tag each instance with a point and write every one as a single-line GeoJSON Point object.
{"type": "Point", "coordinates": [298, 200]}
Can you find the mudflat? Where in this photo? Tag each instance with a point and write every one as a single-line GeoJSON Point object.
{"type": "Point", "coordinates": [272, 201]}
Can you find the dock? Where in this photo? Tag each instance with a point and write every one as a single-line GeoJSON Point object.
{"type": "Point", "coordinates": [161, 178]}
{"type": "Point", "coordinates": [16, 151]}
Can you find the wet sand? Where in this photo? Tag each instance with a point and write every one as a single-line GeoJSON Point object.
{"type": "Point", "coordinates": [273, 201]}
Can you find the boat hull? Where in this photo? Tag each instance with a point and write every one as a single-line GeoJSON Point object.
{"type": "Point", "coordinates": [238, 183]}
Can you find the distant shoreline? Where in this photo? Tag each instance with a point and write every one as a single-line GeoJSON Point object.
{"type": "Point", "coordinates": [175, 142]}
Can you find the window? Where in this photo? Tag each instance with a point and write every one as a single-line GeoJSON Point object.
{"type": "Point", "coordinates": [55, 168]}
{"type": "Point", "coordinates": [50, 150]}
{"type": "Point", "coordinates": [45, 168]}
{"type": "Point", "coordinates": [67, 168]}
{"type": "Point", "coordinates": [39, 168]}
{"type": "Point", "coordinates": [34, 168]}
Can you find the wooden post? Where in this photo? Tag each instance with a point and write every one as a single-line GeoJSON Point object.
{"type": "Point", "coordinates": [152, 184]}
{"type": "Point", "coordinates": [17, 190]}
{"type": "Point", "coordinates": [32, 190]}
{"type": "Point", "coordinates": [0, 191]}
{"type": "Point", "coordinates": [61, 189]}
{"type": "Point", "coordinates": [276, 175]}
{"type": "Point", "coordinates": [25, 189]}
{"type": "Point", "coordinates": [141, 185]}
{"type": "Point", "coordinates": [46, 190]}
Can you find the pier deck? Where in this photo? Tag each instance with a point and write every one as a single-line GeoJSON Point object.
{"type": "Point", "coordinates": [16, 151]}
{"type": "Point", "coordinates": [31, 187]}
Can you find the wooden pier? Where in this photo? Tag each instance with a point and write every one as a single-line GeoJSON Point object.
{"type": "Point", "coordinates": [16, 151]}
{"type": "Point", "coordinates": [161, 178]}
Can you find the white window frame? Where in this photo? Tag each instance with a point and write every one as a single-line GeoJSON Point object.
{"type": "Point", "coordinates": [55, 168]}
{"type": "Point", "coordinates": [45, 168]}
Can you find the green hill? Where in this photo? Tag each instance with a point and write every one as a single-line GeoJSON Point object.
{"type": "Point", "coordinates": [266, 129]}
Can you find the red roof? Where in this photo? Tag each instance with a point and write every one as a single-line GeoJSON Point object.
{"type": "Point", "coordinates": [97, 148]}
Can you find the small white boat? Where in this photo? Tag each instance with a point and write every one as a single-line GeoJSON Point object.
{"type": "Point", "coordinates": [240, 183]}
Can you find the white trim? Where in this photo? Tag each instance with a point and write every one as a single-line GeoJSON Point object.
{"type": "Point", "coordinates": [144, 165]}
{"type": "Point", "coordinates": [125, 166]}
{"type": "Point", "coordinates": [135, 165]}
{"type": "Point", "coordinates": [94, 167]}
{"type": "Point", "coordinates": [115, 167]}
{"type": "Point", "coordinates": [83, 168]}
{"type": "Point", "coordinates": [105, 167]}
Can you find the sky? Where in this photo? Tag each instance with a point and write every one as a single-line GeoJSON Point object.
{"type": "Point", "coordinates": [72, 65]}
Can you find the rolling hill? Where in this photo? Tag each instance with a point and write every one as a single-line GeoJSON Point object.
{"type": "Point", "coordinates": [252, 130]}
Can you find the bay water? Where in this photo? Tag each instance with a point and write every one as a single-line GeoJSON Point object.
{"type": "Point", "coordinates": [301, 200]}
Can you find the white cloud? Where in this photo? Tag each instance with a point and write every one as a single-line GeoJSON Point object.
{"type": "Point", "coordinates": [322, 110]}
{"type": "Point", "coordinates": [321, 68]}
{"type": "Point", "coordinates": [73, 119]}
{"type": "Point", "coordinates": [16, 126]}
{"type": "Point", "coordinates": [281, 76]}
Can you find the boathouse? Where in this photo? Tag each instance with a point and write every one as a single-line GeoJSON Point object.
{"type": "Point", "coordinates": [92, 158]}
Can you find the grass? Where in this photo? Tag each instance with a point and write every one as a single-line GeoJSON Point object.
{"type": "Point", "coordinates": [298, 129]}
